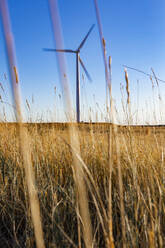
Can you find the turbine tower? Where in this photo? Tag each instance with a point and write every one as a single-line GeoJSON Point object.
{"type": "Point", "coordinates": [78, 60]}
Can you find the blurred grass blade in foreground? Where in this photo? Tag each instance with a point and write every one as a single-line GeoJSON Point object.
{"type": "Point", "coordinates": [23, 134]}
{"type": "Point", "coordinates": [112, 138]}
{"type": "Point", "coordinates": [74, 141]}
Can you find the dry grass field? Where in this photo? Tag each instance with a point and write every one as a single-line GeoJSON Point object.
{"type": "Point", "coordinates": [140, 153]}
{"type": "Point", "coordinates": [87, 185]}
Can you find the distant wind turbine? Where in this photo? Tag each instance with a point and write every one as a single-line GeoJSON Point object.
{"type": "Point", "coordinates": [78, 60]}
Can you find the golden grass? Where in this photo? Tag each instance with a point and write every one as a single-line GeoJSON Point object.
{"type": "Point", "coordinates": [143, 178]}
{"type": "Point", "coordinates": [96, 185]}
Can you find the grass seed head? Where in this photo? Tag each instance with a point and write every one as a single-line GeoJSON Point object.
{"type": "Point", "coordinates": [16, 74]}
{"type": "Point", "coordinates": [127, 86]}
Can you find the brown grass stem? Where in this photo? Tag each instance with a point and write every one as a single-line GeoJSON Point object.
{"type": "Point", "coordinates": [77, 168]}
{"type": "Point", "coordinates": [24, 139]}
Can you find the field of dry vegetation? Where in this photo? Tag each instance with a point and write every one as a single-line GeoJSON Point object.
{"type": "Point", "coordinates": [87, 185]}
{"type": "Point", "coordinates": [125, 186]}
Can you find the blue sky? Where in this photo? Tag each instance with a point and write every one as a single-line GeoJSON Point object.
{"type": "Point", "coordinates": [135, 35]}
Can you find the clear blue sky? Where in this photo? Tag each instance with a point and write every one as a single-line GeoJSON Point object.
{"type": "Point", "coordinates": [135, 35]}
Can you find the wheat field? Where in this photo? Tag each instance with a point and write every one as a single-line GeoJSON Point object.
{"type": "Point", "coordinates": [84, 185]}
{"type": "Point", "coordinates": [142, 166]}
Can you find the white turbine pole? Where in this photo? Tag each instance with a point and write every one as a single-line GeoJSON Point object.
{"type": "Point", "coordinates": [77, 89]}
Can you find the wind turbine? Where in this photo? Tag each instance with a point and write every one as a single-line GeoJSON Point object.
{"type": "Point", "coordinates": [78, 60]}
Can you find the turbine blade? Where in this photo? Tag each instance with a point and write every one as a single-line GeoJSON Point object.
{"type": "Point", "coordinates": [86, 72]}
{"type": "Point", "coordinates": [59, 50]}
{"type": "Point", "coordinates": [82, 43]}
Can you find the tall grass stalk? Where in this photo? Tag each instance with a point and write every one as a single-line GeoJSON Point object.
{"type": "Point", "coordinates": [78, 173]}
{"type": "Point", "coordinates": [113, 137]}
{"type": "Point", "coordinates": [110, 242]}
{"type": "Point", "coordinates": [23, 134]}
